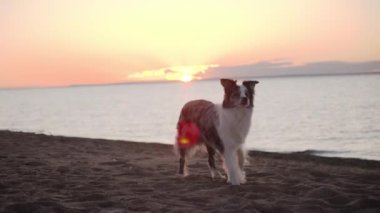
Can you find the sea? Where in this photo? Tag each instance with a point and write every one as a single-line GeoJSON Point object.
{"type": "Point", "coordinates": [334, 116]}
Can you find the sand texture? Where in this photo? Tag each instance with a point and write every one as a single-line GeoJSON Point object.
{"type": "Point", "coordinates": [40, 173]}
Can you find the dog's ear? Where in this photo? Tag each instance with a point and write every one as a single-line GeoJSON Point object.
{"type": "Point", "coordinates": [227, 83]}
{"type": "Point", "coordinates": [250, 84]}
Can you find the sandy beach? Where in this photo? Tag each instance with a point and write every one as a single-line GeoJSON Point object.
{"type": "Point", "coordinates": [41, 173]}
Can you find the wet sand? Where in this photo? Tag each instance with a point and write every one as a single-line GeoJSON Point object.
{"type": "Point", "coordinates": [40, 173]}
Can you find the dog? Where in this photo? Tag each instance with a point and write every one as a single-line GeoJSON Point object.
{"type": "Point", "coordinates": [222, 129]}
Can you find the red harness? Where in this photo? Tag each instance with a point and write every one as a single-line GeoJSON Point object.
{"type": "Point", "coordinates": [188, 134]}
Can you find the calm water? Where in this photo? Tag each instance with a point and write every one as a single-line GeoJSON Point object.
{"type": "Point", "coordinates": [330, 115]}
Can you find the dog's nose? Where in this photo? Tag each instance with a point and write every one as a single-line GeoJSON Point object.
{"type": "Point", "coordinates": [244, 101]}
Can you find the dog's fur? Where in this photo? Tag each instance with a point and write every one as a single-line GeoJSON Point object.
{"type": "Point", "coordinates": [223, 128]}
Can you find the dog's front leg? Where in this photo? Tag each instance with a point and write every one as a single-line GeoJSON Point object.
{"type": "Point", "coordinates": [233, 170]}
{"type": "Point", "coordinates": [242, 161]}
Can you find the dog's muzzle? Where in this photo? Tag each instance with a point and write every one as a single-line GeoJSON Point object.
{"type": "Point", "coordinates": [244, 101]}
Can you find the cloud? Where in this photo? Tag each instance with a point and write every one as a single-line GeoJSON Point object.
{"type": "Point", "coordinates": [173, 73]}
{"type": "Point", "coordinates": [275, 68]}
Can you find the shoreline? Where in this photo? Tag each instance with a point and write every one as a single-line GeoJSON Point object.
{"type": "Point", "coordinates": [307, 152]}
{"type": "Point", "coordinates": [69, 174]}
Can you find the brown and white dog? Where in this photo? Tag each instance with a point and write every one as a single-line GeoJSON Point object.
{"type": "Point", "coordinates": [223, 128]}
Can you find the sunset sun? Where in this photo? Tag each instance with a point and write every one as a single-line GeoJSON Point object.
{"type": "Point", "coordinates": [186, 78]}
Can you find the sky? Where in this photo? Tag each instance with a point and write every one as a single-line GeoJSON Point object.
{"type": "Point", "coordinates": [68, 42]}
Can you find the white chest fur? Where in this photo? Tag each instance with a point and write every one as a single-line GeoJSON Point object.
{"type": "Point", "coordinates": [234, 124]}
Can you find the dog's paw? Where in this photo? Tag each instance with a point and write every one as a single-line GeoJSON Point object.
{"type": "Point", "coordinates": [243, 179]}
{"type": "Point", "coordinates": [247, 162]}
{"type": "Point", "coordinates": [234, 183]}
{"type": "Point", "coordinates": [221, 175]}
{"type": "Point", "coordinates": [183, 174]}
{"type": "Point", "coordinates": [213, 173]}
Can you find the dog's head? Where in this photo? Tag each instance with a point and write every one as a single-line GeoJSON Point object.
{"type": "Point", "coordinates": [238, 95]}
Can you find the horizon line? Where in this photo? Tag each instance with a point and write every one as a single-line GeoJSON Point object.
{"type": "Point", "coordinates": [178, 81]}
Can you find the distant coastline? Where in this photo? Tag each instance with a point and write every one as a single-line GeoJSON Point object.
{"type": "Point", "coordinates": [206, 79]}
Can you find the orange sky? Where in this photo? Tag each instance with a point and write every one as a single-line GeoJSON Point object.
{"type": "Point", "coordinates": [64, 42]}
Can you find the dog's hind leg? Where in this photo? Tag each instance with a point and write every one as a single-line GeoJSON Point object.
{"type": "Point", "coordinates": [182, 163]}
{"type": "Point", "coordinates": [211, 161]}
